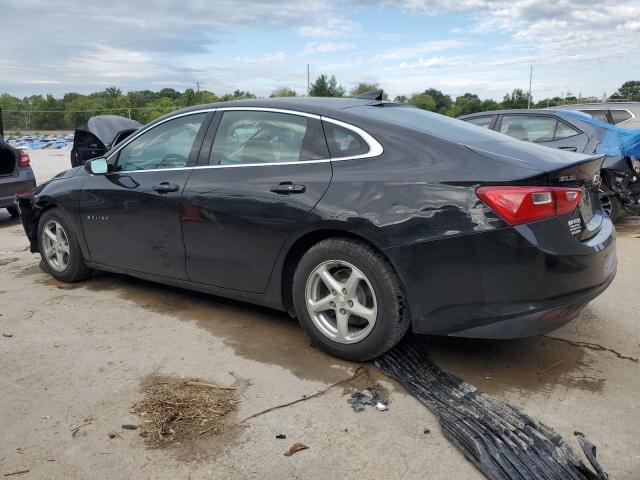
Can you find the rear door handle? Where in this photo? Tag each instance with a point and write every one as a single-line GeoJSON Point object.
{"type": "Point", "coordinates": [166, 187]}
{"type": "Point", "coordinates": [570, 149]}
{"type": "Point", "coordinates": [287, 188]}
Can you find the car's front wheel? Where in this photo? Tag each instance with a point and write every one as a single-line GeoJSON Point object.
{"type": "Point", "coordinates": [348, 299]}
{"type": "Point", "coordinates": [59, 248]}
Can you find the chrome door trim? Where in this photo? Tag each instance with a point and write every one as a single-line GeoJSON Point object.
{"type": "Point", "coordinates": [375, 149]}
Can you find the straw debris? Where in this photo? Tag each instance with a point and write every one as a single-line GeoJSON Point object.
{"type": "Point", "coordinates": [176, 411]}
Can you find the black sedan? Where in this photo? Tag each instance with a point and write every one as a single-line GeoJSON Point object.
{"type": "Point", "coordinates": [574, 132]}
{"type": "Point", "coordinates": [362, 218]}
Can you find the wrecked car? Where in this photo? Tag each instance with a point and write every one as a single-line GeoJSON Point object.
{"type": "Point", "coordinates": [16, 174]}
{"type": "Point", "coordinates": [362, 218]}
{"type": "Point", "coordinates": [103, 133]}
{"type": "Point", "coordinates": [576, 131]}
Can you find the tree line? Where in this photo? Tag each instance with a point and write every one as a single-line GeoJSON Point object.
{"type": "Point", "coordinates": [72, 110]}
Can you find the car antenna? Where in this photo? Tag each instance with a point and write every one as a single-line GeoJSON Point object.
{"type": "Point", "coordinates": [371, 95]}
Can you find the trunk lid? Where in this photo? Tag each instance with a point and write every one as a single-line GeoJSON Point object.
{"type": "Point", "coordinates": [8, 160]}
{"type": "Point", "coordinates": [562, 169]}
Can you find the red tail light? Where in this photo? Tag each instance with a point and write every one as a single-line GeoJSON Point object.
{"type": "Point", "coordinates": [25, 161]}
{"type": "Point", "coordinates": [518, 205]}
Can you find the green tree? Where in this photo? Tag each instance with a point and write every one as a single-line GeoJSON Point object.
{"type": "Point", "coordinates": [208, 97]}
{"type": "Point", "coordinates": [401, 99]}
{"type": "Point", "coordinates": [443, 102]}
{"type": "Point", "coordinates": [488, 105]}
{"type": "Point", "coordinates": [517, 99]}
{"type": "Point", "coordinates": [326, 87]}
{"type": "Point", "coordinates": [283, 92]}
{"type": "Point", "coordinates": [630, 90]}
{"type": "Point", "coordinates": [464, 105]}
{"type": "Point", "coordinates": [237, 95]}
{"type": "Point", "coordinates": [423, 101]}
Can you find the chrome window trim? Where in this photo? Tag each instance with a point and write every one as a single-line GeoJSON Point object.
{"type": "Point", "coordinates": [375, 149]}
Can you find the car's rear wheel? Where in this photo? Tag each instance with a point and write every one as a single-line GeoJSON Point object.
{"type": "Point", "coordinates": [348, 299]}
{"type": "Point", "coordinates": [612, 205]}
{"type": "Point", "coordinates": [13, 211]}
{"type": "Point", "coordinates": [59, 248]}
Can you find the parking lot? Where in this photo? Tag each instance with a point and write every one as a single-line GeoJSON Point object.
{"type": "Point", "coordinates": [77, 355]}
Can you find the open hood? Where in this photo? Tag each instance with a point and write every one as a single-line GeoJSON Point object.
{"type": "Point", "coordinates": [104, 132]}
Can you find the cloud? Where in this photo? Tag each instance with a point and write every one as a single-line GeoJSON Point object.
{"type": "Point", "coordinates": [408, 53]}
{"type": "Point", "coordinates": [326, 47]}
{"type": "Point", "coordinates": [329, 28]}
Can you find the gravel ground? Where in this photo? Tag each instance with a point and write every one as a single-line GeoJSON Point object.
{"type": "Point", "coordinates": [77, 356]}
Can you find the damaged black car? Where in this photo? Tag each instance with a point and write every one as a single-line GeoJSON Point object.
{"type": "Point", "coordinates": [360, 217]}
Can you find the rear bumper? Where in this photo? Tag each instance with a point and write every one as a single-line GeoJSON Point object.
{"type": "Point", "coordinates": [9, 186]}
{"type": "Point", "coordinates": [505, 283]}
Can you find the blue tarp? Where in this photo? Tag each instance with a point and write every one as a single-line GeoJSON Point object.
{"type": "Point", "coordinates": [623, 142]}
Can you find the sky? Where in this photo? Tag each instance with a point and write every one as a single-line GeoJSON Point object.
{"type": "Point", "coordinates": [486, 47]}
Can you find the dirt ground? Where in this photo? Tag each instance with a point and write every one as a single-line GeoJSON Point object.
{"type": "Point", "coordinates": [77, 356]}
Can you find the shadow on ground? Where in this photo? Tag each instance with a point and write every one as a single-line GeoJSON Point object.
{"type": "Point", "coordinates": [524, 366]}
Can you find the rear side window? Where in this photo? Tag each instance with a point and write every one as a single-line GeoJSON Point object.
{"type": "Point", "coordinates": [344, 142]}
{"type": "Point", "coordinates": [484, 122]}
{"type": "Point", "coordinates": [565, 131]}
{"type": "Point", "coordinates": [528, 127]}
{"type": "Point", "coordinates": [620, 116]}
{"type": "Point", "coordinates": [254, 137]}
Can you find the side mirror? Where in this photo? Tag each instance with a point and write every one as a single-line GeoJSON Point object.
{"type": "Point", "coordinates": [97, 166]}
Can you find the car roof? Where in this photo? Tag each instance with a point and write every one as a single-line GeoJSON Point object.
{"type": "Point", "coordinates": [313, 105]}
{"type": "Point", "coordinates": [547, 111]}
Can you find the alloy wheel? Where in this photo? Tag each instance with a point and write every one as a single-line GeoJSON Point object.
{"type": "Point", "coordinates": [341, 301]}
{"type": "Point", "coordinates": [55, 244]}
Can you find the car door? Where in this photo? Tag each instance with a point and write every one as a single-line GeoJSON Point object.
{"type": "Point", "coordinates": [131, 215]}
{"type": "Point", "coordinates": [543, 129]}
{"type": "Point", "coordinates": [261, 172]}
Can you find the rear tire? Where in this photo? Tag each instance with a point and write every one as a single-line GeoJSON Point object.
{"type": "Point", "coordinates": [59, 248]}
{"type": "Point", "coordinates": [612, 205]}
{"type": "Point", "coordinates": [348, 299]}
{"type": "Point", "coordinates": [13, 211]}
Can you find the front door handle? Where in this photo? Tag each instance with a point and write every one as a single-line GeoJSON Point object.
{"type": "Point", "coordinates": [287, 188]}
{"type": "Point", "coordinates": [569, 149]}
{"type": "Point", "coordinates": [166, 187]}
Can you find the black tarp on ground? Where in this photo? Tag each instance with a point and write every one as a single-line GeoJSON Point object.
{"type": "Point", "coordinates": [501, 441]}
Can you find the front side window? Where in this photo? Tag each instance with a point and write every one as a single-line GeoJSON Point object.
{"type": "Point", "coordinates": [254, 137]}
{"type": "Point", "coordinates": [166, 146]}
{"type": "Point", "coordinates": [528, 127]}
{"type": "Point", "coordinates": [484, 122]}
{"type": "Point", "coordinates": [344, 142]}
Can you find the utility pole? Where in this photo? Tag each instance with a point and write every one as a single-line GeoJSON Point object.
{"type": "Point", "coordinates": [530, 77]}
{"type": "Point", "coordinates": [308, 81]}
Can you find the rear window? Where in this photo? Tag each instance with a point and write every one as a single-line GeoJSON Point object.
{"type": "Point", "coordinates": [598, 115]}
{"type": "Point", "coordinates": [440, 126]}
{"type": "Point", "coordinates": [620, 116]}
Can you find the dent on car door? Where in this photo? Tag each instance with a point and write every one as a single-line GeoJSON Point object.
{"type": "Point", "coordinates": [263, 173]}
{"type": "Point", "coordinates": [131, 215]}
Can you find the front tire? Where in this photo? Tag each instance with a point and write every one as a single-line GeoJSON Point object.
{"type": "Point", "coordinates": [59, 248]}
{"type": "Point", "coordinates": [13, 211]}
{"type": "Point", "coordinates": [348, 299]}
